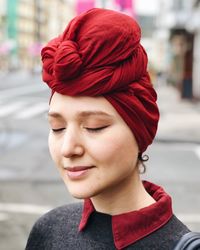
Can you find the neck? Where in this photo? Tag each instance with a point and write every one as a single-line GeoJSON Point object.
{"type": "Point", "coordinates": [130, 195]}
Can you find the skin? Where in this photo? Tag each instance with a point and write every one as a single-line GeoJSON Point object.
{"type": "Point", "coordinates": [88, 131]}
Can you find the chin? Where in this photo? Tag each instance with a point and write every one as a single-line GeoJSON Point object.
{"type": "Point", "coordinates": [79, 192]}
{"type": "Point", "coordinates": [82, 191]}
{"type": "Point", "coordinates": [80, 195]}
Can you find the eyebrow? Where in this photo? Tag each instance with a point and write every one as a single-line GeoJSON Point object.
{"type": "Point", "coordinates": [54, 114]}
{"type": "Point", "coordinates": [81, 114]}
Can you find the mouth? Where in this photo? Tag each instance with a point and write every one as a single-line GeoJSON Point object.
{"type": "Point", "coordinates": [77, 172]}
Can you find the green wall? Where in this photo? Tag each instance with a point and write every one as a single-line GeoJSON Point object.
{"type": "Point", "coordinates": [12, 19]}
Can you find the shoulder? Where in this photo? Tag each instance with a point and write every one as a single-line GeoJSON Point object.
{"type": "Point", "coordinates": [171, 232]}
{"type": "Point", "coordinates": [65, 212]}
{"type": "Point", "coordinates": [54, 225]}
{"type": "Point", "coordinates": [165, 237]}
{"type": "Point", "coordinates": [70, 213]}
{"type": "Point", "coordinates": [176, 225]}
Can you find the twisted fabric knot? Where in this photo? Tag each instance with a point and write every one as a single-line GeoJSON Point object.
{"type": "Point", "coordinates": [67, 61]}
{"type": "Point", "coordinates": [61, 61]}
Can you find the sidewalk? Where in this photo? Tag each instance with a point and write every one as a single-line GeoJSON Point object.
{"type": "Point", "coordinates": [179, 119]}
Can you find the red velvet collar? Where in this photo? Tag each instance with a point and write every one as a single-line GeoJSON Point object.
{"type": "Point", "coordinates": [136, 224]}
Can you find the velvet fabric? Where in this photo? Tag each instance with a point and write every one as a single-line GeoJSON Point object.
{"type": "Point", "coordinates": [99, 54]}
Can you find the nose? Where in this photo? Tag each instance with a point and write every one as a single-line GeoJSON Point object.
{"type": "Point", "coordinates": [72, 145]}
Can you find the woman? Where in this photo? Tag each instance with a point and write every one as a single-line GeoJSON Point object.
{"type": "Point", "coordinates": [103, 115]}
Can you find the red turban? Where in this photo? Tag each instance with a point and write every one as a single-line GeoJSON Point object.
{"type": "Point", "coordinates": [99, 54]}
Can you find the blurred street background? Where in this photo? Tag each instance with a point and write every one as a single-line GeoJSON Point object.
{"type": "Point", "coordinates": [29, 182]}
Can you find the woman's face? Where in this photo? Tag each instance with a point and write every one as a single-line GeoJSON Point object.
{"type": "Point", "coordinates": [90, 143]}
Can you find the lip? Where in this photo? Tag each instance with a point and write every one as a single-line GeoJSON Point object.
{"type": "Point", "coordinates": [77, 172]}
{"type": "Point", "coordinates": [78, 168]}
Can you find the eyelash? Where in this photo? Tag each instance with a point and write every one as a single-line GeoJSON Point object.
{"type": "Point", "coordinates": [57, 130]}
{"type": "Point", "coordinates": [96, 130]}
{"type": "Point", "coordinates": [91, 130]}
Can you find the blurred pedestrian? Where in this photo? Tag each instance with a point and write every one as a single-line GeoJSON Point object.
{"type": "Point", "coordinates": [103, 115]}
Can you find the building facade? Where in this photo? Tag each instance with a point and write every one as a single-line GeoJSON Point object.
{"type": "Point", "coordinates": [3, 45]}
{"type": "Point", "coordinates": [179, 21]}
{"type": "Point", "coordinates": [27, 25]}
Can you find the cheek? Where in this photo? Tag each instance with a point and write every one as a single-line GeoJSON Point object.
{"type": "Point", "coordinates": [116, 147]}
{"type": "Point", "coordinates": [53, 148]}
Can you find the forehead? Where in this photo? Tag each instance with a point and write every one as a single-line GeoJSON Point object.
{"type": "Point", "coordinates": [67, 105]}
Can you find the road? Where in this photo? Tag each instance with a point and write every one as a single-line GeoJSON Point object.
{"type": "Point", "coordinates": [30, 184]}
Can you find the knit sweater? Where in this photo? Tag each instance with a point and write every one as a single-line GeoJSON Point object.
{"type": "Point", "coordinates": [58, 230]}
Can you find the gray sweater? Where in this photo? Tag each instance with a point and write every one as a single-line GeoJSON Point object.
{"type": "Point", "coordinates": [58, 230]}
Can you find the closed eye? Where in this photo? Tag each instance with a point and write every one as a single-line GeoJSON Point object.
{"type": "Point", "coordinates": [96, 130]}
{"type": "Point", "coordinates": [57, 130]}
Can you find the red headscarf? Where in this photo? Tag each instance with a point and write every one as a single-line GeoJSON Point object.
{"type": "Point", "coordinates": [99, 54]}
